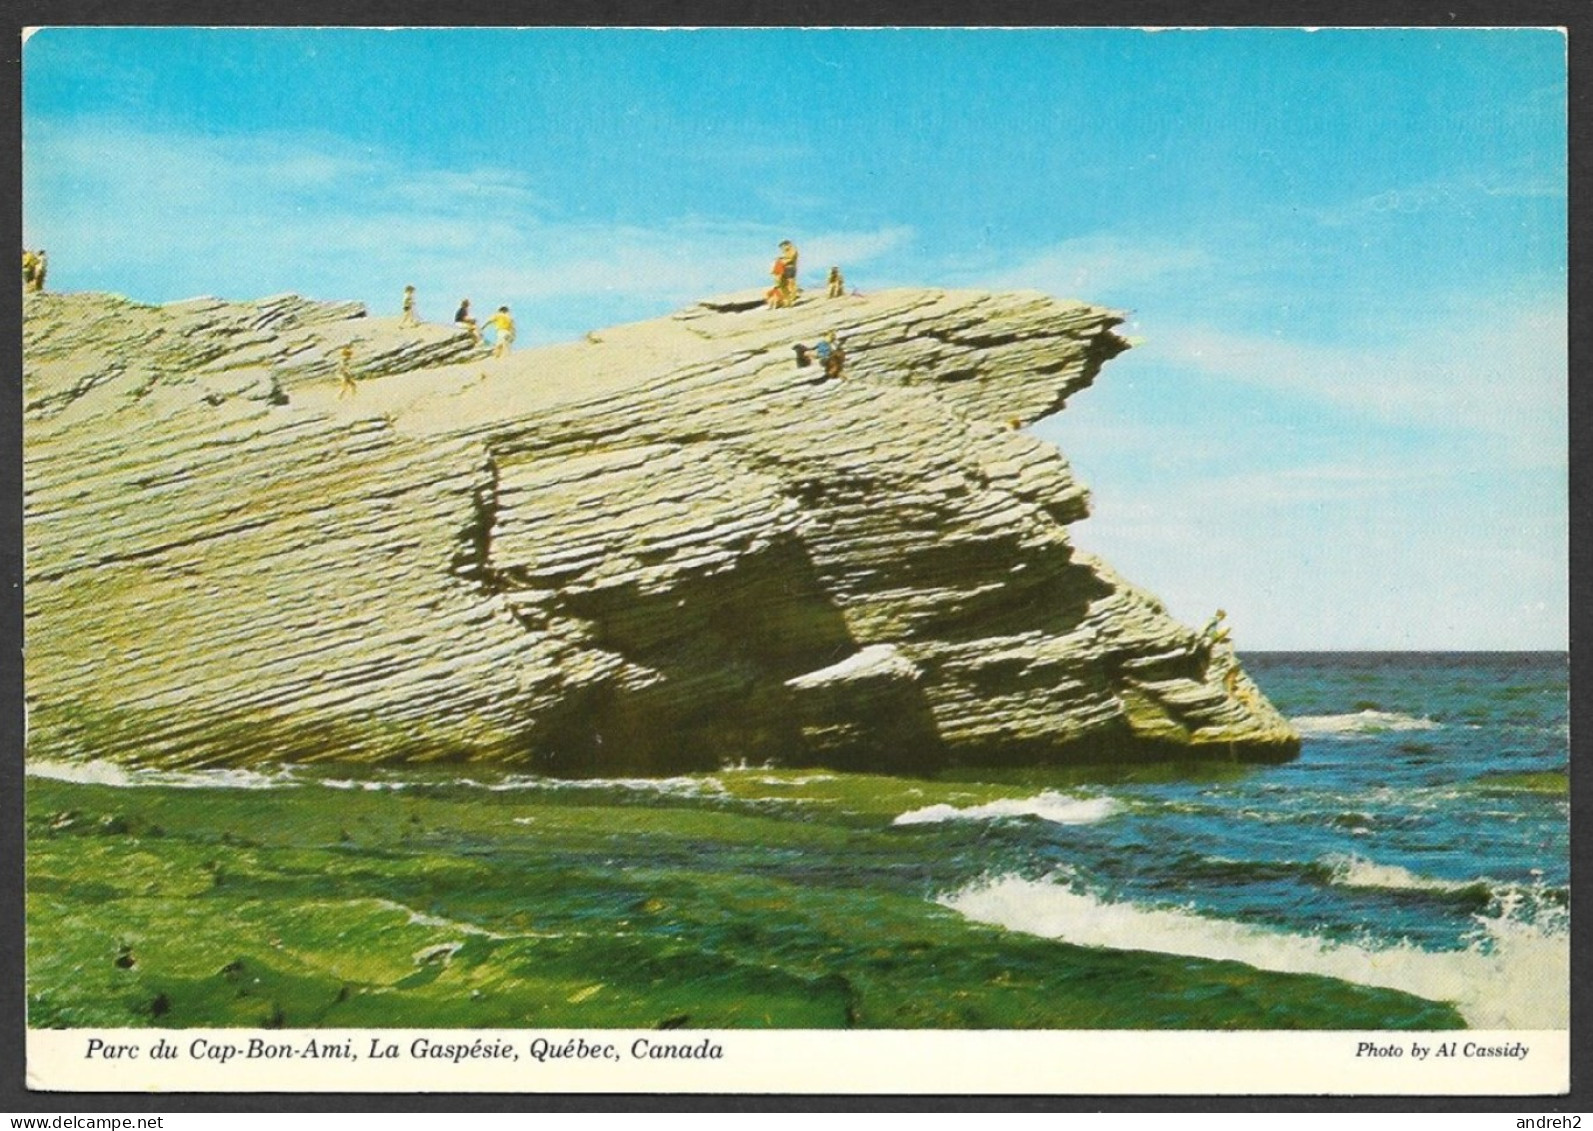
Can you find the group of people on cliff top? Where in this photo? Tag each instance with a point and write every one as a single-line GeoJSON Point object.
{"type": "Point", "coordinates": [828, 351]}
{"type": "Point", "coordinates": [34, 266]}
{"type": "Point", "coordinates": [784, 293]}
{"type": "Point", "coordinates": [501, 323]}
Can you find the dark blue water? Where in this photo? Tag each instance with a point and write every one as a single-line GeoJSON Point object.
{"type": "Point", "coordinates": [1422, 835]}
{"type": "Point", "coordinates": [1409, 762]}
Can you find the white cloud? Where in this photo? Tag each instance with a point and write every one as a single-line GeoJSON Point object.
{"type": "Point", "coordinates": [163, 216]}
{"type": "Point", "coordinates": [1319, 484]}
{"type": "Point", "coordinates": [1100, 264]}
{"type": "Point", "coordinates": [1496, 368]}
{"type": "Point", "coordinates": [1347, 556]}
{"type": "Point", "coordinates": [1403, 490]}
{"type": "Point", "coordinates": [1454, 193]}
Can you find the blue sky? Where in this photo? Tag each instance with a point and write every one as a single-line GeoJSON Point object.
{"type": "Point", "coordinates": [1343, 252]}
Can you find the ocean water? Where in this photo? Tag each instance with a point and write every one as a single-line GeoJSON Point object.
{"type": "Point", "coordinates": [1419, 843]}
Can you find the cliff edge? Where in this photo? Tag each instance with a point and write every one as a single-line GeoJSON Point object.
{"type": "Point", "coordinates": [664, 548]}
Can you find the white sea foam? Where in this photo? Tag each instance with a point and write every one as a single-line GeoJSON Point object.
{"type": "Point", "coordinates": [1051, 806]}
{"type": "Point", "coordinates": [369, 784]}
{"type": "Point", "coordinates": [421, 919]}
{"type": "Point", "coordinates": [677, 786]}
{"type": "Point", "coordinates": [684, 786]}
{"type": "Point", "coordinates": [94, 772]}
{"type": "Point", "coordinates": [1358, 872]}
{"type": "Point", "coordinates": [1361, 722]}
{"type": "Point", "coordinates": [1515, 974]}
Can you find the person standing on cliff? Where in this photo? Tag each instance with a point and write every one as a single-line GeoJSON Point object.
{"type": "Point", "coordinates": [33, 279]}
{"type": "Point", "coordinates": [463, 317]}
{"type": "Point", "coordinates": [409, 318]}
{"type": "Point", "coordinates": [504, 325]}
{"type": "Point", "coordinates": [1215, 650]}
{"type": "Point", "coordinates": [345, 376]}
{"type": "Point", "coordinates": [788, 275]}
{"type": "Point", "coordinates": [837, 286]}
{"type": "Point", "coordinates": [784, 291]}
{"type": "Point", "coordinates": [1215, 631]}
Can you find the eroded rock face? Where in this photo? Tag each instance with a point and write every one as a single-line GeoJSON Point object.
{"type": "Point", "coordinates": [666, 547]}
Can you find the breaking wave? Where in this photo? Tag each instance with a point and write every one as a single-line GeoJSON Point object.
{"type": "Point", "coordinates": [91, 772]}
{"type": "Point", "coordinates": [370, 784]}
{"type": "Point", "coordinates": [1050, 806]}
{"type": "Point", "coordinates": [1514, 972]}
{"type": "Point", "coordinates": [1359, 723]}
{"type": "Point", "coordinates": [1358, 872]}
{"type": "Point", "coordinates": [671, 787]}
{"type": "Point", "coordinates": [126, 777]}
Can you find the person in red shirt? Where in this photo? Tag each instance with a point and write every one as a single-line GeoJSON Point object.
{"type": "Point", "coordinates": [784, 291]}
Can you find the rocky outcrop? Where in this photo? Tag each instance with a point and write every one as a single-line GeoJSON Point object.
{"type": "Point", "coordinates": [664, 547]}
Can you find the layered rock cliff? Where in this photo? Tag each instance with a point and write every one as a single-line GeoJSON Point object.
{"type": "Point", "coordinates": [666, 547]}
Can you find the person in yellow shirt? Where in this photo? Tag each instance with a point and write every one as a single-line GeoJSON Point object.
{"type": "Point", "coordinates": [1215, 631]}
{"type": "Point", "coordinates": [33, 269]}
{"type": "Point", "coordinates": [504, 325]}
{"type": "Point", "coordinates": [788, 276]}
{"type": "Point", "coordinates": [784, 292]}
{"type": "Point", "coordinates": [345, 375]}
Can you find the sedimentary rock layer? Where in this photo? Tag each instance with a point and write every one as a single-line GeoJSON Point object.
{"type": "Point", "coordinates": [664, 547]}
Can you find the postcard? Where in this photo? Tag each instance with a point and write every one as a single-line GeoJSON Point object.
{"type": "Point", "coordinates": [843, 560]}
